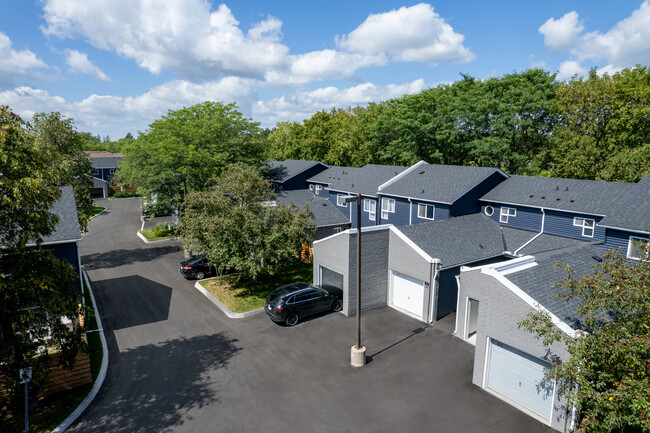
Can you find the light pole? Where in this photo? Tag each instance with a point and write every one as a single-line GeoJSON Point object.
{"type": "Point", "coordinates": [358, 352]}
{"type": "Point", "coordinates": [187, 253]}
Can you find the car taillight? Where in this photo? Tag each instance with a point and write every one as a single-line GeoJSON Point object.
{"type": "Point", "coordinates": [278, 310]}
{"type": "Point", "coordinates": [187, 267]}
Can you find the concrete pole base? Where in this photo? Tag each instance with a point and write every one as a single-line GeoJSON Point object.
{"type": "Point", "coordinates": [358, 356]}
{"type": "Point", "coordinates": [187, 254]}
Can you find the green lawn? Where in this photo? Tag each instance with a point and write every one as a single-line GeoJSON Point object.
{"type": "Point", "coordinates": [241, 295]}
{"type": "Point", "coordinates": [51, 411]}
{"type": "Point", "coordinates": [148, 234]}
{"type": "Point", "coordinates": [97, 209]}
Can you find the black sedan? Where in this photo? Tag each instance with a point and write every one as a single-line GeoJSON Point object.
{"type": "Point", "coordinates": [196, 268]}
{"type": "Point", "coordinates": [288, 304]}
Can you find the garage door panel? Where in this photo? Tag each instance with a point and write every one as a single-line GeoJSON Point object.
{"type": "Point", "coordinates": [520, 377]}
{"type": "Point", "coordinates": [329, 277]}
{"type": "Point", "coordinates": [407, 292]}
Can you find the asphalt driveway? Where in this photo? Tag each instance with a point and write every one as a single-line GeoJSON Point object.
{"type": "Point", "coordinates": [178, 364]}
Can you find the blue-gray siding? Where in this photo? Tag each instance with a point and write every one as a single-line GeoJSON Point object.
{"type": "Point", "coordinates": [69, 253]}
{"type": "Point", "coordinates": [441, 212]}
{"type": "Point", "coordinates": [561, 224]}
{"type": "Point", "coordinates": [468, 203]}
{"type": "Point", "coordinates": [104, 174]}
{"type": "Point", "coordinates": [527, 218]}
{"type": "Point", "coordinates": [299, 181]}
{"type": "Point", "coordinates": [619, 239]}
{"type": "Point", "coordinates": [323, 192]}
{"type": "Point", "coordinates": [401, 215]}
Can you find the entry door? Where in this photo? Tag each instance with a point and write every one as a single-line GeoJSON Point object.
{"type": "Point", "coordinates": [519, 377]}
{"type": "Point", "coordinates": [407, 293]}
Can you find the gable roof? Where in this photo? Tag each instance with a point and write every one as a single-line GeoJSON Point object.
{"type": "Point", "coordinates": [331, 174]}
{"type": "Point", "coordinates": [459, 240]}
{"type": "Point", "coordinates": [539, 243]}
{"type": "Point", "coordinates": [67, 229]}
{"type": "Point", "coordinates": [575, 195]}
{"type": "Point", "coordinates": [438, 183]}
{"type": "Point", "coordinates": [539, 281]}
{"type": "Point", "coordinates": [325, 213]}
{"type": "Point", "coordinates": [364, 180]}
{"type": "Point", "coordinates": [281, 171]}
{"type": "Point", "coordinates": [102, 159]}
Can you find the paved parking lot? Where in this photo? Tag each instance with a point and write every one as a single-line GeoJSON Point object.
{"type": "Point", "coordinates": [178, 364]}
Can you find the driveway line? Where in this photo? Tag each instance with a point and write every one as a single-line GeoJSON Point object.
{"type": "Point", "coordinates": [102, 371]}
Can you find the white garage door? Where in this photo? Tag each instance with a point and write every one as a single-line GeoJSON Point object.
{"type": "Point", "coordinates": [329, 277]}
{"type": "Point", "coordinates": [408, 293]}
{"type": "Point", "coordinates": [520, 378]}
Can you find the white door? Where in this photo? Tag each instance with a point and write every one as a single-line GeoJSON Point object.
{"type": "Point", "coordinates": [519, 377]}
{"type": "Point", "coordinates": [407, 293]}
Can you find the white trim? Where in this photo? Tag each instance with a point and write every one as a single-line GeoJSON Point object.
{"type": "Point", "coordinates": [65, 241]}
{"type": "Point", "coordinates": [425, 205]}
{"type": "Point", "coordinates": [311, 187]}
{"type": "Point", "coordinates": [341, 196]}
{"type": "Point", "coordinates": [318, 188]}
{"type": "Point", "coordinates": [584, 226]}
{"type": "Point", "coordinates": [457, 304]}
{"type": "Point", "coordinates": [354, 230]}
{"type": "Point", "coordinates": [629, 247]}
{"type": "Point", "coordinates": [507, 214]}
{"type": "Point", "coordinates": [485, 210]}
{"type": "Point", "coordinates": [488, 343]}
{"type": "Point", "coordinates": [541, 231]}
{"type": "Point", "coordinates": [410, 212]}
{"type": "Point", "coordinates": [481, 181]}
{"type": "Point", "coordinates": [545, 207]}
{"type": "Point", "coordinates": [412, 244]}
{"type": "Point", "coordinates": [402, 174]}
{"type": "Point", "coordinates": [467, 302]}
{"type": "Point", "coordinates": [417, 198]}
{"type": "Point", "coordinates": [623, 229]}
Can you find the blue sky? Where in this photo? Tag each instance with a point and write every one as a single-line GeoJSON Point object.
{"type": "Point", "coordinates": [115, 65]}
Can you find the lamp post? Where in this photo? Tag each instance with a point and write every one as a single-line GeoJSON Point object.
{"type": "Point", "coordinates": [358, 352]}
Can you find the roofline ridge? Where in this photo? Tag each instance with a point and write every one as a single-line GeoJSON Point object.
{"type": "Point", "coordinates": [400, 175]}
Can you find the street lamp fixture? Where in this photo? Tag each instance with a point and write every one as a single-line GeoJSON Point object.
{"type": "Point", "coordinates": [357, 352]}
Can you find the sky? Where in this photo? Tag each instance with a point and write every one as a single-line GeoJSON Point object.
{"type": "Point", "coordinates": [114, 66]}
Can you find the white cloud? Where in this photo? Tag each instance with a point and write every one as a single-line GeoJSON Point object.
{"type": "Point", "coordinates": [16, 64]}
{"type": "Point", "coordinates": [185, 36]}
{"type": "Point", "coordinates": [77, 61]}
{"type": "Point", "coordinates": [570, 68]}
{"type": "Point", "coordinates": [304, 104]}
{"type": "Point", "coordinates": [562, 33]}
{"type": "Point", "coordinates": [117, 115]}
{"type": "Point", "coordinates": [624, 45]}
{"type": "Point", "coordinates": [411, 34]}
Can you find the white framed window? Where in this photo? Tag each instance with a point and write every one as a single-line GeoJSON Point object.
{"type": "Point", "coordinates": [340, 200]}
{"type": "Point", "coordinates": [489, 210]}
{"type": "Point", "coordinates": [387, 206]}
{"type": "Point", "coordinates": [587, 226]}
{"type": "Point", "coordinates": [426, 211]}
{"type": "Point", "coordinates": [318, 188]}
{"type": "Point", "coordinates": [311, 187]}
{"type": "Point", "coordinates": [338, 230]}
{"type": "Point", "coordinates": [507, 212]}
{"type": "Point", "coordinates": [638, 248]}
{"type": "Point", "coordinates": [370, 206]}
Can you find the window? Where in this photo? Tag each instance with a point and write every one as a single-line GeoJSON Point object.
{"type": "Point", "coordinates": [426, 211]}
{"type": "Point", "coordinates": [338, 230]}
{"type": "Point", "coordinates": [489, 210]}
{"type": "Point", "coordinates": [587, 226]}
{"type": "Point", "coordinates": [507, 212]}
{"type": "Point", "coordinates": [370, 206]}
{"type": "Point", "coordinates": [311, 187]}
{"type": "Point", "coordinates": [96, 172]}
{"type": "Point", "coordinates": [112, 171]}
{"type": "Point", "coordinates": [340, 200]}
{"type": "Point", "coordinates": [318, 188]}
{"type": "Point", "coordinates": [638, 248]}
{"type": "Point", "coordinates": [387, 206]}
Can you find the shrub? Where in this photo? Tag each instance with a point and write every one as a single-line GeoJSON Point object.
{"type": "Point", "coordinates": [163, 230]}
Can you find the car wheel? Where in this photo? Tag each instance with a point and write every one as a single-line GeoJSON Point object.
{"type": "Point", "coordinates": [199, 275]}
{"type": "Point", "coordinates": [337, 305]}
{"type": "Point", "coordinates": [291, 320]}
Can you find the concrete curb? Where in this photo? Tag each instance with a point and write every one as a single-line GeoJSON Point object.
{"type": "Point", "coordinates": [102, 371]}
{"type": "Point", "coordinates": [141, 236]}
{"type": "Point", "coordinates": [105, 209]}
{"type": "Point", "coordinates": [222, 307]}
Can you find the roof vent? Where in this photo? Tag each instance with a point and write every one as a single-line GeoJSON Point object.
{"type": "Point", "coordinates": [353, 187]}
{"type": "Point", "coordinates": [566, 189]}
{"type": "Point", "coordinates": [543, 197]}
{"type": "Point", "coordinates": [595, 257]}
{"type": "Point", "coordinates": [480, 246]}
{"type": "Point", "coordinates": [557, 188]}
{"type": "Point", "coordinates": [325, 204]}
{"type": "Point", "coordinates": [557, 199]}
{"type": "Point", "coordinates": [421, 172]}
{"type": "Point", "coordinates": [531, 196]}
{"type": "Point", "coordinates": [422, 193]}
{"type": "Point", "coordinates": [571, 200]}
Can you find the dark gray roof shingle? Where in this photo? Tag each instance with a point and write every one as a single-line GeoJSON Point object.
{"type": "Point", "coordinates": [539, 281]}
{"type": "Point", "coordinates": [365, 180]}
{"type": "Point", "coordinates": [280, 171]}
{"type": "Point", "coordinates": [458, 240]}
{"type": "Point", "coordinates": [325, 213]}
{"type": "Point", "coordinates": [331, 174]}
{"type": "Point", "coordinates": [438, 183]}
{"type": "Point", "coordinates": [67, 229]}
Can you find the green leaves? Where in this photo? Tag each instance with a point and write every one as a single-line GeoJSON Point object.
{"type": "Point", "coordinates": [235, 223]}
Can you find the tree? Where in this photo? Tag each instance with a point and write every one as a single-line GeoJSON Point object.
{"type": "Point", "coordinates": [236, 224]}
{"type": "Point", "coordinates": [199, 142]}
{"type": "Point", "coordinates": [607, 375]}
{"type": "Point", "coordinates": [35, 287]}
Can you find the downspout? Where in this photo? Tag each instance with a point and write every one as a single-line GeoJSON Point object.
{"type": "Point", "coordinates": [457, 304]}
{"type": "Point", "coordinates": [81, 281]}
{"type": "Point", "coordinates": [410, 212]}
{"type": "Point", "coordinates": [534, 237]}
{"type": "Point", "coordinates": [434, 270]}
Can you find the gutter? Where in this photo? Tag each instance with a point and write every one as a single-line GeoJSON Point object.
{"type": "Point", "coordinates": [534, 237]}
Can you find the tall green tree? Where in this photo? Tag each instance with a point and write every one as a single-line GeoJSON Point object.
{"type": "Point", "coordinates": [236, 224]}
{"type": "Point", "coordinates": [607, 375]}
{"type": "Point", "coordinates": [198, 142]}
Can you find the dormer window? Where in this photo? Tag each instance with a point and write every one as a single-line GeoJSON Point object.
{"type": "Point", "coordinates": [587, 226]}
{"type": "Point", "coordinates": [506, 213]}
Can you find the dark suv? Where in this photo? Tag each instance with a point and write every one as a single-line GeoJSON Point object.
{"type": "Point", "coordinates": [288, 304]}
{"type": "Point", "coordinates": [196, 267]}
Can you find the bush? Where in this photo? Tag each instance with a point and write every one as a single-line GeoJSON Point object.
{"type": "Point", "coordinates": [163, 230]}
{"type": "Point", "coordinates": [125, 194]}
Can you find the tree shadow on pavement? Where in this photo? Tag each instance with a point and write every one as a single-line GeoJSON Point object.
{"type": "Point", "coordinates": [116, 258]}
{"type": "Point", "coordinates": [166, 381]}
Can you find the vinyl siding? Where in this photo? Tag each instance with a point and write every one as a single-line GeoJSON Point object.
{"type": "Point", "coordinates": [69, 253]}
{"type": "Point", "coordinates": [468, 203]}
{"type": "Point", "coordinates": [561, 224]}
{"type": "Point", "coordinates": [299, 181]}
{"type": "Point", "coordinates": [401, 215]}
{"type": "Point", "coordinates": [441, 212]}
{"type": "Point", "coordinates": [527, 218]}
{"type": "Point", "coordinates": [323, 192]}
